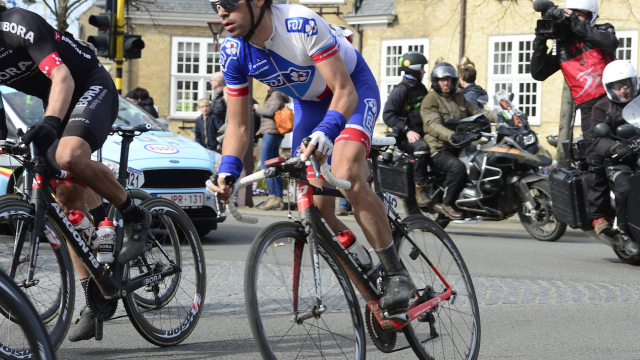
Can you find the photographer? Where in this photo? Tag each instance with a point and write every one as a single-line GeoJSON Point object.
{"type": "Point", "coordinates": [583, 50]}
{"type": "Point", "coordinates": [402, 113]}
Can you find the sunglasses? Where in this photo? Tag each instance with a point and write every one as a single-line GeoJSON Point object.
{"type": "Point", "coordinates": [226, 5]}
{"type": "Point", "coordinates": [621, 84]}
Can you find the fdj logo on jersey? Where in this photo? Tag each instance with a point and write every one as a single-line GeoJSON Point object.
{"type": "Point", "coordinates": [290, 77]}
{"type": "Point", "coordinates": [370, 114]}
{"type": "Point", "coordinates": [228, 51]}
{"type": "Point", "coordinates": [302, 25]}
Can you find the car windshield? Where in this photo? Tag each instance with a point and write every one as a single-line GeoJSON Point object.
{"type": "Point", "coordinates": [30, 110]}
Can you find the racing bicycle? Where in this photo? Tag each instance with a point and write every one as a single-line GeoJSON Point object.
{"type": "Point", "coordinates": [162, 290]}
{"type": "Point", "coordinates": [298, 283]}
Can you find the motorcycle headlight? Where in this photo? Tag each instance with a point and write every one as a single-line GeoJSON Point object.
{"type": "Point", "coordinates": [530, 139]}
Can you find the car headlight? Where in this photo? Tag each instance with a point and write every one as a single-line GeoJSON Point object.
{"type": "Point", "coordinates": [215, 160]}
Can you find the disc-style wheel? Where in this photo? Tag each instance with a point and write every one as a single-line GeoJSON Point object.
{"type": "Point", "coordinates": [52, 291]}
{"type": "Point", "coordinates": [451, 329]}
{"type": "Point", "coordinates": [280, 291]}
{"type": "Point", "coordinates": [166, 311]}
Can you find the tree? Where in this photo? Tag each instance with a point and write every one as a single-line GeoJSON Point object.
{"type": "Point", "coordinates": [564, 129]}
{"type": "Point", "coordinates": [62, 10]}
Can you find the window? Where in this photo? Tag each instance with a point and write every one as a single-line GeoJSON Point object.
{"type": "Point", "coordinates": [392, 50]}
{"type": "Point", "coordinates": [628, 46]}
{"type": "Point", "coordinates": [509, 70]}
{"type": "Point", "coordinates": [193, 61]}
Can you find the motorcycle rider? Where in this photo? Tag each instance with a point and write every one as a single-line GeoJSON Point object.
{"type": "Point", "coordinates": [402, 113]}
{"type": "Point", "coordinates": [620, 80]}
{"type": "Point", "coordinates": [582, 52]}
{"type": "Point", "coordinates": [439, 105]}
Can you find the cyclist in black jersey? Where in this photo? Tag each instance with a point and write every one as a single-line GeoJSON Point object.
{"type": "Point", "coordinates": [81, 105]}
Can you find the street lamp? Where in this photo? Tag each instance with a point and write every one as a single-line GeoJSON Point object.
{"type": "Point", "coordinates": [216, 29]}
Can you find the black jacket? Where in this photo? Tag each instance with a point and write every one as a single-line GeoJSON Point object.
{"type": "Point", "coordinates": [581, 55]}
{"type": "Point", "coordinates": [218, 105]}
{"type": "Point", "coordinates": [402, 109]}
{"type": "Point", "coordinates": [610, 113]}
{"type": "Point", "coordinates": [147, 105]}
{"type": "Point", "coordinates": [206, 135]}
{"type": "Point", "coordinates": [472, 92]}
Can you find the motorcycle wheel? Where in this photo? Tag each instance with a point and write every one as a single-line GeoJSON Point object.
{"type": "Point", "coordinates": [631, 260]}
{"type": "Point", "coordinates": [544, 226]}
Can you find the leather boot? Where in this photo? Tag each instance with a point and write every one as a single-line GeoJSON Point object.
{"type": "Point", "coordinates": [631, 247]}
{"type": "Point", "coordinates": [451, 212]}
{"type": "Point", "coordinates": [421, 195]}
{"type": "Point", "coordinates": [272, 203]}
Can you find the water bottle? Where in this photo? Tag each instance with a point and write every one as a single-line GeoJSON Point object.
{"type": "Point", "coordinates": [355, 249]}
{"type": "Point", "coordinates": [84, 227]}
{"type": "Point", "coordinates": [106, 237]}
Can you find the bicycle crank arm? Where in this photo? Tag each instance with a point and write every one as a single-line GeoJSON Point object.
{"type": "Point", "coordinates": [401, 318]}
{"type": "Point", "coordinates": [315, 312]}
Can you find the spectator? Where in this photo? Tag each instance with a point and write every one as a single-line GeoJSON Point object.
{"type": "Point", "coordinates": [271, 140]}
{"type": "Point", "coordinates": [207, 125]}
{"type": "Point", "coordinates": [218, 101]}
{"type": "Point", "coordinates": [469, 89]}
{"type": "Point", "coordinates": [133, 97]}
{"type": "Point", "coordinates": [146, 102]}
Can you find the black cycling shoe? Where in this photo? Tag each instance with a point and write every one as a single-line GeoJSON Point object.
{"type": "Point", "coordinates": [85, 327]}
{"type": "Point", "coordinates": [397, 290]}
{"type": "Point", "coordinates": [135, 238]}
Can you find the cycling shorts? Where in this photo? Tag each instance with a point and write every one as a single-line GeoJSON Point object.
{"type": "Point", "coordinates": [308, 114]}
{"type": "Point", "coordinates": [95, 108]}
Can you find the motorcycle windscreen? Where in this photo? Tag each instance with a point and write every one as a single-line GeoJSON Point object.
{"type": "Point", "coordinates": [631, 112]}
{"type": "Point", "coordinates": [633, 206]}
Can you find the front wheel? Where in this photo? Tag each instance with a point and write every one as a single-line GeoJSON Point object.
{"type": "Point", "coordinates": [541, 224]}
{"type": "Point", "coordinates": [450, 330]}
{"type": "Point", "coordinates": [626, 258]}
{"type": "Point", "coordinates": [279, 287]}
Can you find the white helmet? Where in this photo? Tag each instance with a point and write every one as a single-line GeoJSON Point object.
{"type": "Point", "coordinates": [586, 6]}
{"type": "Point", "coordinates": [616, 71]}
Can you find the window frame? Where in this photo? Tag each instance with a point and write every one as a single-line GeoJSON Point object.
{"type": "Point", "coordinates": [386, 81]}
{"type": "Point", "coordinates": [514, 78]}
{"type": "Point", "coordinates": [633, 34]}
{"type": "Point", "coordinates": [202, 77]}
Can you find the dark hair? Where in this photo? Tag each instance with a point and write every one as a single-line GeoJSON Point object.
{"type": "Point", "coordinates": [144, 94]}
{"type": "Point", "coordinates": [3, 6]}
{"type": "Point", "coordinates": [468, 74]}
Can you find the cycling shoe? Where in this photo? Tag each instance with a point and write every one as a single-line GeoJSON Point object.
{"type": "Point", "coordinates": [85, 326]}
{"type": "Point", "coordinates": [397, 290]}
{"type": "Point", "coordinates": [135, 238]}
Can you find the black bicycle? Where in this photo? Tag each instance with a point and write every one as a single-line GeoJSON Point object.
{"type": "Point", "coordinates": [162, 290]}
{"type": "Point", "coordinates": [298, 283]}
{"type": "Point", "coordinates": [18, 310]}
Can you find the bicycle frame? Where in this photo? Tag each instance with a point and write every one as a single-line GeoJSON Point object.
{"type": "Point", "coordinates": [318, 231]}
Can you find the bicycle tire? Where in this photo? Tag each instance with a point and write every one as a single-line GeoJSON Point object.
{"type": "Point", "coordinates": [266, 301]}
{"type": "Point", "coordinates": [18, 306]}
{"type": "Point", "coordinates": [457, 319]}
{"type": "Point", "coordinates": [183, 294]}
{"type": "Point", "coordinates": [54, 295]}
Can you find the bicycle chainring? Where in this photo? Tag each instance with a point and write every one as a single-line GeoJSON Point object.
{"type": "Point", "coordinates": [102, 308]}
{"type": "Point", "coordinates": [384, 341]}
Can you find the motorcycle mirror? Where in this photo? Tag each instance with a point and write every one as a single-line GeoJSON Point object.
{"type": "Point", "coordinates": [631, 111]}
{"type": "Point", "coordinates": [511, 96]}
{"type": "Point", "coordinates": [627, 131]}
{"type": "Point", "coordinates": [602, 130]}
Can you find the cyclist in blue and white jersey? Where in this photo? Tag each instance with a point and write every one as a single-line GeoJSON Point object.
{"type": "Point", "coordinates": [336, 98]}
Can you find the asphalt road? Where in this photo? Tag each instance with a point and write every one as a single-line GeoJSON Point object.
{"type": "Point", "coordinates": [572, 299]}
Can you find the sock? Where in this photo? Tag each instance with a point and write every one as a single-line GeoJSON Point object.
{"type": "Point", "coordinates": [130, 212]}
{"type": "Point", "coordinates": [98, 214]}
{"type": "Point", "coordinates": [390, 261]}
{"type": "Point", "coordinates": [85, 286]}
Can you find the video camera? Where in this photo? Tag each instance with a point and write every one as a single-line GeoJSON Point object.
{"type": "Point", "coordinates": [553, 19]}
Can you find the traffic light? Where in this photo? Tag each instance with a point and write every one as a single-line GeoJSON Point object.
{"type": "Point", "coordinates": [105, 41]}
{"type": "Point", "coordinates": [133, 46]}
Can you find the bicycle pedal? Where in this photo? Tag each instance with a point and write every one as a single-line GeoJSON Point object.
{"type": "Point", "coordinates": [402, 318]}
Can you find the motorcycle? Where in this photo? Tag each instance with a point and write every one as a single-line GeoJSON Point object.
{"type": "Point", "coordinates": [502, 168]}
{"type": "Point", "coordinates": [569, 185]}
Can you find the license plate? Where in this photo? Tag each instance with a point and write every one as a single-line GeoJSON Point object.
{"type": "Point", "coordinates": [184, 200]}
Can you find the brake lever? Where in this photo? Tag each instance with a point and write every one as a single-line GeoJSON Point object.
{"type": "Point", "coordinates": [314, 162]}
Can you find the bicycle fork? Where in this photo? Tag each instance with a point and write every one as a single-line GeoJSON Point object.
{"type": "Point", "coordinates": [318, 309]}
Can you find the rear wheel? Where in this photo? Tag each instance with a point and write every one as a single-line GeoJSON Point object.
{"type": "Point", "coordinates": [450, 330]}
{"type": "Point", "coordinates": [542, 224]}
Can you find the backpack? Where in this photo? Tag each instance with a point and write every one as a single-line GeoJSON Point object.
{"type": "Point", "coordinates": [284, 120]}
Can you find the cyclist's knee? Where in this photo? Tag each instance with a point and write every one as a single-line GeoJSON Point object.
{"type": "Point", "coordinates": [73, 153]}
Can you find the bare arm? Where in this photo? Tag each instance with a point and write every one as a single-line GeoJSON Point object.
{"type": "Point", "coordinates": [62, 87]}
{"type": "Point", "coordinates": [345, 98]}
{"type": "Point", "coordinates": [237, 133]}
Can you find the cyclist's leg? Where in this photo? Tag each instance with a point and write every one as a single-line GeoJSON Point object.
{"type": "Point", "coordinates": [308, 115]}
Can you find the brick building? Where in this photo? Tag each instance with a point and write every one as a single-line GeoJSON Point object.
{"type": "Point", "coordinates": [499, 38]}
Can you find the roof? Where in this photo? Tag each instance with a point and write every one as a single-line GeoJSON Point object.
{"type": "Point", "coordinates": [376, 7]}
{"type": "Point", "coordinates": [190, 6]}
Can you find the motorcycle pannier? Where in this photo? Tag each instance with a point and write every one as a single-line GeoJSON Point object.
{"type": "Point", "coordinates": [396, 178]}
{"type": "Point", "coordinates": [569, 197]}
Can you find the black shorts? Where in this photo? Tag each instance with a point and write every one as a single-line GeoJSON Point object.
{"type": "Point", "coordinates": [95, 109]}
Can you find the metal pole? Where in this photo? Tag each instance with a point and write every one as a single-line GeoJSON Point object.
{"type": "Point", "coordinates": [463, 27]}
{"type": "Point", "coordinates": [119, 44]}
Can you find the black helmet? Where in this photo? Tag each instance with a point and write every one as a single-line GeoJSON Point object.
{"type": "Point", "coordinates": [443, 70]}
{"type": "Point", "coordinates": [412, 62]}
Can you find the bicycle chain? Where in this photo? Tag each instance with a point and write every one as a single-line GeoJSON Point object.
{"type": "Point", "coordinates": [384, 341]}
{"type": "Point", "coordinates": [102, 308]}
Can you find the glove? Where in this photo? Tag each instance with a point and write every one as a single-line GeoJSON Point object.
{"type": "Point", "coordinates": [43, 135]}
{"type": "Point", "coordinates": [322, 142]}
{"type": "Point", "coordinates": [620, 149]}
{"type": "Point", "coordinates": [456, 138]}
